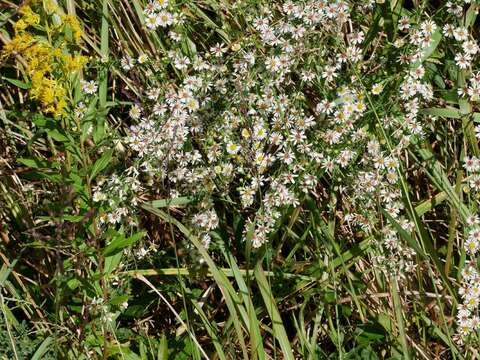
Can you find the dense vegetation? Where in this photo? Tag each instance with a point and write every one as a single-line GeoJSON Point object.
{"type": "Point", "coordinates": [239, 179]}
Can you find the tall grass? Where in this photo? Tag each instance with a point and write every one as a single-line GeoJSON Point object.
{"type": "Point", "coordinates": [322, 285]}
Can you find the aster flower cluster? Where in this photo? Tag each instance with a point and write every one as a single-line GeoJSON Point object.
{"type": "Point", "coordinates": [200, 149]}
{"type": "Point", "coordinates": [264, 120]}
{"type": "Point", "coordinates": [159, 14]}
{"type": "Point", "coordinates": [467, 315]}
{"type": "Point", "coordinates": [269, 146]}
{"type": "Point", "coordinates": [467, 47]}
{"type": "Point", "coordinates": [117, 195]}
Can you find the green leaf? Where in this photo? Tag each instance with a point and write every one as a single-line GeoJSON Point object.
{"type": "Point", "coordinates": [34, 163]}
{"type": "Point", "coordinates": [163, 348]}
{"type": "Point", "coordinates": [183, 200]}
{"type": "Point", "coordinates": [369, 333]}
{"type": "Point", "coordinates": [436, 38]}
{"type": "Point", "coordinates": [36, 175]}
{"type": "Point", "coordinates": [255, 333]}
{"type": "Point", "coordinates": [111, 262]}
{"type": "Point", "coordinates": [5, 272]}
{"type": "Point", "coordinates": [117, 300]}
{"type": "Point", "coordinates": [427, 205]}
{"type": "Point", "coordinates": [57, 135]}
{"type": "Point", "coordinates": [451, 113]}
{"type": "Point", "coordinates": [103, 73]}
{"type": "Point", "coordinates": [73, 283]}
{"type": "Point", "coordinates": [101, 163]}
{"type": "Point", "coordinates": [188, 47]}
{"type": "Point", "coordinates": [442, 183]}
{"type": "Point", "coordinates": [120, 242]}
{"type": "Point", "coordinates": [471, 15]}
{"type": "Point", "coordinates": [399, 317]}
{"type": "Point", "coordinates": [197, 11]}
{"type": "Point", "coordinates": [18, 83]}
{"type": "Point", "coordinates": [232, 300]}
{"type": "Point", "coordinates": [42, 349]}
{"type": "Point", "coordinates": [122, 351]}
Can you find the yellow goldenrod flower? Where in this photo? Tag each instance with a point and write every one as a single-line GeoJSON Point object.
{"type": "Point", "coordinates": [74, 25]}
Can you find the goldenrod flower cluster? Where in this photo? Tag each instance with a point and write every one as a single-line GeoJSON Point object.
{"type": "Point", "coordinates": [29, 18]}
{"type": "Point", "coordinates": [72, 22]}
{"type": "Point", "coordinates": [49, 67]}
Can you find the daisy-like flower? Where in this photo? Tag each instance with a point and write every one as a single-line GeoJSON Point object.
{"type": "Point", "coordinates": [127, 63]}
{"type": "Point", "coordinates": [448, 30]}
{"type": "Point", "coordinates": [475, 183]}
{"type": "Point", "coordinates": [114, 218]}
{"type": "Point", "coordinates": [330, 73]}
{"type": "Point", "coordinates": [276, 138]}
{"type": "Point", "coordinates": [404, 23]}
{"type": "Point", "coordinates": [152, 7]}
{"type": "Point", "coordinates": [307, 75]}
{"type": "Point", "coordinates": [289, 8]}
{"type": "Point", "coordinates": [175, 36]}
{"type": "Point", "coordinates": [151, 21]}
{"type": "Point", "coordinates": [142, 59]}
{"type": "Point", "coordinates": [470, 47]}
{"type": "Point", "coordinates": [181, 62]}
{"type": "Point", "coordinates": [218, 50]}
{"type": "Point", "coordinates": [233, 148]}
{"type": "Point", "coordinates": [326, 107]}
{"type": "Point", "coordinates": [473, 93]}
{"type": "Point", "coordinates": [455, 9]}
{"type": "Point", "coordinates": [89, 87]}
{"type": "Point", "coordinates": [192, 104]}
{"type": "Point", "coordinates": [473, 220]}
{"type": "Point", "coordinates": [164, 19]}
{"type": "Point", "coordinates": [471, 246]}
{"type": "Point", "coordinates": [377, 89]}
{"type": "Point", "coordinates": [162, 4]}
{"type": "Point", "coordinates": [471, 164]}
{"type": "Point", "coordinates": [428, 27]}
{"type": "Point", "coordinates": [460, 34]}
{"type": "Point", "coordinates": [273, 64]}
{"type": "Point", "coordinates": [135, 112]}
{"type": "Point", "coordinates": [286, 156]}
{"type": "Point", "coordinates": [463, 61]}
{"type": "Point", "coordinates": [357, 38]}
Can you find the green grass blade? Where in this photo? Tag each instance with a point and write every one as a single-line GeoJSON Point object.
{"type": "Point", "coordinates": [231, 299]}
{"type": "Point", "coordinates": [270, 303]}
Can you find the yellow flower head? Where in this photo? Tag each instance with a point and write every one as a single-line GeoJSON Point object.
{"type": "Point", "coordinates": [74, 25]}
{"type": "Point", "coordinates": [48, 64]}
{"type": "Point", "coordinates": [73, 63]}
{"type": "Point", "coordinates": [29, 18]}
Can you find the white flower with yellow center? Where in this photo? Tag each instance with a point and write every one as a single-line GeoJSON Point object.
{"type": "Point", "coordinates": [259, 132]}
{"type": "Point", "coordinates": [164, 19]}
{"type": "Point", "coordinates": [162, 3]}
{"type": "Point", "coordinates": [89, 87]}
{"type": "Point", "coordinates": [377, 89]}
{"type": "Point", "coordinates": [135, 112]}
{"type": "Point", "coordinates": [142, 59]}
{"type": "Point", "coordinates": [233, 148]}
{"type": "Point", "coordinates": [259, 157]}
{"type": "Point", "coordinates": [360, 107]}
{"type": "Point", "coordinates": [151, 22]}
{"type": "Point", "coordinates": [192, 104]}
